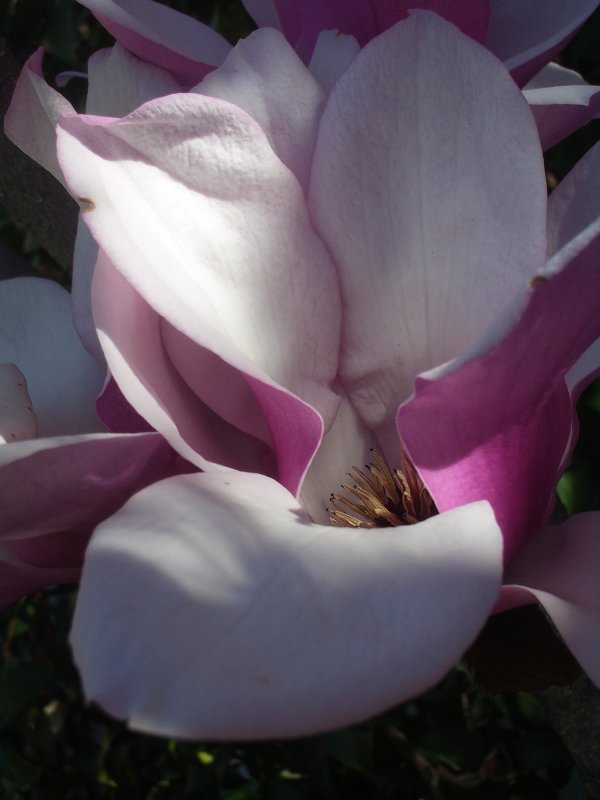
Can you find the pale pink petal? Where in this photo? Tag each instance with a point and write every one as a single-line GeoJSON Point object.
{"type": "Point", "coordinates": [17, 417]}
{"type": "Point", "coordinates": [562, 102]}
{"type": "Point", "coordinates": [84, 260]}
{"type": "Point", "coordinates": [217, 249]}
{"type": "Point", "coordinates": [346, 444]}
{"type": "Point", "coordinates": [333, 54]}
{"type": "Point", "coordinates": [282, 627]}
{"type": "Point", "coordinates": [261, 75]}
{"type": "Point", "coordinates": [71, 483]}
{"type": "Point", "coordinates": [131, 337]}
{"type": "Point", "coordinates": [118, 82]}
{"type": "Point", "coordinates": [435, 217]}
{"type": "Point", "coordinates": [559, 567]}
{"type": "Point", "coordinates": [30, 121]}
{"type": "Point", "coordinates": [263, 12]}
{"type": "Point", "coordinates": [574, 206]}
{"type": "Point", "coordinates": [37, 334]}
{"type": "Point", "coordinates": [526, 36]}
{"type": "Point", "coordinates": [28, 565]}
{"type": "Point", "coordinates": [303, 22]}
{"type": "Point", "coordinates": [162, 36]}
{"type": "Point", "coordinates": [497, 425]}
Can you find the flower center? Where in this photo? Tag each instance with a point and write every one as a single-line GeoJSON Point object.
{"type": "Point", "coordinates": [380, 497]}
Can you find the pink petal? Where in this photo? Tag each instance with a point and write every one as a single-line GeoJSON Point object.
{"type": "Point", "coordinates": [17, 417]}
{"type": "Point", "coordinates": [72, 483]}
{"type": "Point", "coordinates": [37, 335]}
{"type": "Point", "coordinates": [35, 108]}
{"type": "Point", "coordinates": [481, 429]}
{"type": "Point", "coordinates": [209, 254]}
{"type": "Point", "coordinates": [53, 492]}
{"type": "Point", "coordinates": [119, 82]}
{"type": "Point", "coordinates": [431, 198]}
{"type": "Point", "coordinates": [131, 337]}
{"type": "Point", "coordinates": [333, 54]}
{"type": "Point", "coordinates": [562, 102]}
{"type": "Point", "coordinates": [574, 206]}
{"type": "Point", "coordinates": [162, 36]}
{"type": "Point", "coordinates": [526, 36]}
{"type": "Point", "coordinates": [302, 22]}
{"type": "Point", "coordinates": [263, 12]}
{"type": "Point", "coordinates": [559, 567]}
{"type": "Point", "coordinates": [260, 75]}
{"type": "Point", "coordinates": [57, 559]}
{"type": "Point", "coordinates": [283, 627]}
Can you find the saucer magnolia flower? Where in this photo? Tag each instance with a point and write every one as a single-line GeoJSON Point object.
{"type": "Point", "coordinates": [61, 473]}
{"type": "Point", "coordinates": [524, 35]}
{"type": "Point", "coordinates": [270, 281]}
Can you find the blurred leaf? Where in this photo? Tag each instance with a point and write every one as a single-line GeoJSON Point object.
{"type": "Point", "coordinates": [20, 684]}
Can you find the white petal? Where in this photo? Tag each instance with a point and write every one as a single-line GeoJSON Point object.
{"type": "Point", "coordinates": [211, 607]}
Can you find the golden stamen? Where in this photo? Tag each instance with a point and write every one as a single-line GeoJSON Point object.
{"type": "Point", "coordinates": [380, 497]}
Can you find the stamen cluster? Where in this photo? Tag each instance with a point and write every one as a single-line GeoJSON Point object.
{"type": "Point", "coordinates": [380, 497]}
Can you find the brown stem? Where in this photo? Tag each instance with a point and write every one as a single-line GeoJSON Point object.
{"type": "Point", "coordinates": [32, 197]}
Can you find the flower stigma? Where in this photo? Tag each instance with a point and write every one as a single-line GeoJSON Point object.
{"type": "Point", "coordinates": [381, 497]}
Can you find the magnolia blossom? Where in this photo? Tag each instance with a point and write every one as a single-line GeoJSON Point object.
{"type": "Point", "coordinates": [270, 281]}
{"type": "Point", "coordinates": [61, 472]}
{"type": "Point", "coordinates": [525, 36]}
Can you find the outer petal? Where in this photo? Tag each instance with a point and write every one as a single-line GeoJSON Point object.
{"type": "Point", "coordinates": [560, 568]}
{"type": "Point", "coordinates": [263, 12]}
{"type": "Point", "coordinates": [574, 206]}
{"type": "Point", "coordinates": [216, 248]}
{"type": "Point", "coordinates": [53, 492]}
{"type": "Point", "coordinates": [333, 54]}
{"type": "Point", "coordinates": [29, 565]}
{"type": "Point", "coordinates": [17, 417]}
{"type": "Point", "coordinates": [428, 188]}
{"type": "Point", "coordinates": [162, 36]}
{"type": "Point", "coordinates": [35, 108]}
{"type": "Point", "coordinates": [119, 82]}
{"type": "Point", "coordinates": [527, 35]}
{"type": "Point", "coordinates": [71, 483]}
{"type": "Point", "coordinates": [480, 429]}
{"type": "Point", "coordinates": [561, 102]}
{"type": "Point", "coordinates": [37, 334]}
{"type": "Point", "coordinates": [303, 22]}
{"type": "Point", "coordinates": [260, 75]}
{"type": "Point", "coordinates": [283, 628]}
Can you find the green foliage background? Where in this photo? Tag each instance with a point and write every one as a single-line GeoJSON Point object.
{"type": "Point", "coordinates": [456, 741]}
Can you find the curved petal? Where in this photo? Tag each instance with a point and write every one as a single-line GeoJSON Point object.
{"type": "Point", "coordinates": [303, 22]}
{"type": "Point", "coordinates": [346, 444]}
{"type": "Point", "coordinates": [561, 102]}
{"type": "Point", "coordinates": [526, 36]}
{"type": "Point", "coordinates": [72, 483]}
{"type": "Point", "coordinates": [480, 428]}
{"type": "Point", "coordinates": [131, 337]}
{"type": "Point", "coordinates": [37, 334]}
{"type": "Point", "coordinates": [427, 193]}
{"type": "Point", "coordinates": [84, 260]}
{"type": "Point", "coordinates": [559, 567]}
{"type": "Point", "coordinates": [17, 417]}
{"type": "Point", "coordinates": [574, 206]}
{"type": "Point", "coordinates": [34, 110]}
{"type": "Point", "coordinates": [225, 251]}
{"type": "Point", "coordinates": [118, 82]}
{"type": "Point", "coordinates": [260, 75]}
{"type": "Point", "coordinates": [56, 559]}
{"type": "Point", "coordinates": [333, 54]}
{"type": "Point", "coordinates": [263, 12]}
{"type": "Point", "coordinates": [283, 628]}
{"type": "Point", "coordinates": [162, 36]}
